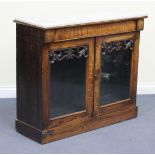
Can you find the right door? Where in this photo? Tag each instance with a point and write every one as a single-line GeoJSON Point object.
{"type": "Point", "coordinates": [115, 69]}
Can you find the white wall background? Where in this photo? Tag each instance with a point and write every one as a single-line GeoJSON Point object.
{"type": "Point", "coordinates": [11, 10]}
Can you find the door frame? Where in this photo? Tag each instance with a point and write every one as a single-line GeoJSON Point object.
{"type": "Point", "coordinates": [131, 101]}
{"type": "Point", "coordinates": [77, 116]}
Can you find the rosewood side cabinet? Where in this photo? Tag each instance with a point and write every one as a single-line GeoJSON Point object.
{"type": "Point", "coordinates": [73, 77]}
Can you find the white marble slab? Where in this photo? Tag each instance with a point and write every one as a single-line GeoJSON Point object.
{"type": "Point", "coordinates": [49, 22]}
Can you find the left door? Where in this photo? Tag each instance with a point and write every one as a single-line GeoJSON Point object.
{"type": "Point", "coordinates": [68, 80]}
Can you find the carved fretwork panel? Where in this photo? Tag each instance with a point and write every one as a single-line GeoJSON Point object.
{"type": "Point", "coordinates": [118, 46]}
{"type": "Point", "coordinates": [115, 70]}
{"type": "Point", "coordinates": [68, 53]}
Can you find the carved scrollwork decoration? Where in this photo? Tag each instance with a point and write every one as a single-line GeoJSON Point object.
{"type": "Point", "coordinates": [69, 53]}
{"type": "Point", "coordinates": [118, 46]}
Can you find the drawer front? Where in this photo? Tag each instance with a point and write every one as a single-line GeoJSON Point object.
{"type": "Point", "coordinates": [86, 31]}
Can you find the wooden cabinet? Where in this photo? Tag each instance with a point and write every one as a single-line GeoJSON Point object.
{"type": "Point", "coordinates": [75, 78]}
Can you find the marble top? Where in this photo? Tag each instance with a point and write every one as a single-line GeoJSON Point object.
{"type": "Point", "coordinates": [51, 22]}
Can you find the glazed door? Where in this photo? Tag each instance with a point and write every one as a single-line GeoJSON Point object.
{"type": "Point", "coordinates": [69, 80]}
{"type": "Point", "coordinates": [115, 72]}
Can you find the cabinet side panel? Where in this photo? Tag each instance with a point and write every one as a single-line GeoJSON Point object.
{"type": "Point", "coordinates": [28, 76]}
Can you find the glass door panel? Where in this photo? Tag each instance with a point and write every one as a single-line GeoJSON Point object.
{"type": "Point", "coordinates": [115, 71]}
{"type": "Point", "coordinates": [68, 80]}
